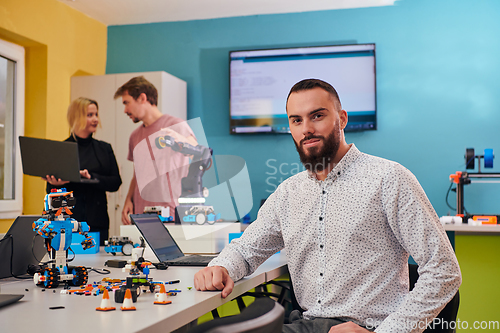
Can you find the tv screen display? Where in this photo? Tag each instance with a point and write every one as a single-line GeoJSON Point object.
{"type": "Point", "coordinates": [261, 79]}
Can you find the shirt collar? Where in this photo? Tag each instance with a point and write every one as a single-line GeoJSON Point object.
{"type": "Point", "coordinates": [352, 154]}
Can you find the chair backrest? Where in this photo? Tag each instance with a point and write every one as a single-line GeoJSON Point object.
{"type": "Point", "coordinates": [447, 317]}
{"type": "Point", "coordinates": [264, 315]}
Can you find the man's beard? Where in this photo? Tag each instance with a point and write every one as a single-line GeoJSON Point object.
{"type": "Point", "coordinates": [318, 159]}
{"type": "Point", "coordinates": [134, 119]}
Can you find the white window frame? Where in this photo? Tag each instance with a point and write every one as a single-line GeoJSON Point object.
{"type": "Point", "coordinates": [13, 208]}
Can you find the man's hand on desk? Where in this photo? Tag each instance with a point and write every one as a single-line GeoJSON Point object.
{"type": "Point", "coordinates": [214, 278]}
{"type": "Point", "coordinates": [348, 327]}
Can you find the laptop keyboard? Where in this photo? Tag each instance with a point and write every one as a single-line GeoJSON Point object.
{"type": "Point", "coordinates": [194, 259]}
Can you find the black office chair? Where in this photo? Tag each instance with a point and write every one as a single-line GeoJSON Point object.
{"type": "Point", "coordinates": [286, 297]}
{"type": "Point", "coordinates": [262, 316]}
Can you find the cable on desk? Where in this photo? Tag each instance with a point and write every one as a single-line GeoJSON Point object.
{"type": "Point", "coordinates": [99, 270]}
{"type": "Point", "coordinates": [74, 255]}
{"type": "Point", "coordinates": [53, 260]}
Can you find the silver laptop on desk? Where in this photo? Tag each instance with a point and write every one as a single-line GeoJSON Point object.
{"type": "Point", "coordinates": [163, 244]}
{"type": "Point", "coordinates": [42, 157]}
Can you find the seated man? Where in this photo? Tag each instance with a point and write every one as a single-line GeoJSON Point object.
{"type": "Point", "coordinates": [348, 224]}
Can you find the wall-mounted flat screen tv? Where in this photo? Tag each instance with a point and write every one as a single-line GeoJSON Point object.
{"type": "Point", "coordinates": [261, 79]}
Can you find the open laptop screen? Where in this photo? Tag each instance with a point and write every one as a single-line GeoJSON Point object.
{"type": "Point", "coordinates": [157, 236]}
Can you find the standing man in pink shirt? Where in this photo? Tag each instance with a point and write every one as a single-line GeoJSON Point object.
{"type": "Point", "coordinates": [140, 98]}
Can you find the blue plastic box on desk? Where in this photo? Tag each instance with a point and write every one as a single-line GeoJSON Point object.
{"type": "Point", "coordinates": [77, 239]}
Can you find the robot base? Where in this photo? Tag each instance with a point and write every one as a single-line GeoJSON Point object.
{"type": "Point", "coordinates": [51, 277]}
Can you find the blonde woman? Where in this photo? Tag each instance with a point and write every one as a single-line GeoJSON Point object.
{"type": "Point", "coordinates": [97, 161]}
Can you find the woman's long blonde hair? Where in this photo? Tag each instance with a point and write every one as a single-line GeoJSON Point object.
{"type": "Point", "coordinates": [77, 114]}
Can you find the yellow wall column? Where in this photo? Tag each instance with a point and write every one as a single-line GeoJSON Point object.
{"type": "Point", "coordinates": [59, 42]}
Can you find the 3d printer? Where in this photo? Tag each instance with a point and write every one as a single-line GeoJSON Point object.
{"type": "Point", "coordinates": [461, 178]}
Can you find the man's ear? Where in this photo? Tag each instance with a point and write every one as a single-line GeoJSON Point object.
{"type": "Point", "coordinates": [343, 118]}
{"type": "Point", "coordinates": [142, 98]}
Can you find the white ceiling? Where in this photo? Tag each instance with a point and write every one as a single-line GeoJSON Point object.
{"type": "Point", "coordinates": [120, 12]}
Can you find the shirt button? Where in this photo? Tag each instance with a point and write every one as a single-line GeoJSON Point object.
{"type": "Point", "coordinates": [324, 192]}
{"type": "Point", "coordinates": [320, 274]}
{"type": "Point", "coordinates": [338, 173]}
{"type": "Point", "coordinates": [321, 246]}
{"type": "Point", "coordinates": [321, 218]}
{"type": "Point", "coordinates": [319, 301]}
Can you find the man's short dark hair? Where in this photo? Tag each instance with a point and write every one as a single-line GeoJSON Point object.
{"type": "Point", "coordinates": [136, 86]}
{"type": "Point", "coordinates": [309, 84]}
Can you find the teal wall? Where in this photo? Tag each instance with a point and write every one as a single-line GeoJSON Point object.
{"type": "Point", "coordinates": [438, 69]}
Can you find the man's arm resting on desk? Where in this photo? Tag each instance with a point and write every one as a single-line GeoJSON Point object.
{"type": "Point", "coordinates": [214, 278]}
{"type": "Point", "coordinates": [244, 255]}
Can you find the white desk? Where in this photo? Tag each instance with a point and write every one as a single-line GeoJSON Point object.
{"type": "Point", "coordinates": [32, 313]}
{"type": "Point", "coordinates": [473, 229]}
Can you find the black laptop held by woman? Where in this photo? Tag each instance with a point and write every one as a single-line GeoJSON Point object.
{"type": "Point", "coordinates": [41, 157]}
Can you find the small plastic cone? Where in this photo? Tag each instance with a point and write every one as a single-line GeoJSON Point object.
{"type": "Point", "coordinates": [105, 302]}
{"type": "Point", "coordinates": [128, 305]}
{"type": "Point", "coordinates": [161, 298]}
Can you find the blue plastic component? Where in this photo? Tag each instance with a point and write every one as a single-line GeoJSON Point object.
{"type": "Point", "coordinates": [113, 248]}
{"type": "Point", "coordinates": [213, 218]}
{"type": "Point", "coordinates": [189, 218]}
{"type": "Point", "coordinates": [246, 219]}
{"type": "Point", "coordinates": [166, 219]}
{"type": "Point", "coordinates": [77, 247]}
{"type": "Point", "coordinates": [488, 158]}
{"type": "Point", "coordinates": [52, 230]}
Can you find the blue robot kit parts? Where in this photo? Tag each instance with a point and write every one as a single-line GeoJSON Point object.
{"type": "Point", "coordinates": [117, 244]}
{"type": "Point", "coordinates": [56, 226]}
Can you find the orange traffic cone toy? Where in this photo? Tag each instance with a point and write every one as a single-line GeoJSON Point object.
{"type": "Point", "coordinates": [105, 303]}
{"type": "Point", "coordinates": [161, 297]}
{"type": "Point", "coordinates": [128, 305]}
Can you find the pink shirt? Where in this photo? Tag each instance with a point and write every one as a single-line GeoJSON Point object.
{"type": "Point", "coordinates": [158, 170]}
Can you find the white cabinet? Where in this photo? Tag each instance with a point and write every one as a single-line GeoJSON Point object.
{"type": "Point", "coordinates": [117, 126]}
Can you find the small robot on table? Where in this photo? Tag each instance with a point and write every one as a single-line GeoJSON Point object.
{"type": "Point", "coordinates": [57, 227]}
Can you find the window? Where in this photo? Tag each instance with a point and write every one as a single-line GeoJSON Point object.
{"type": "Point", "coordinates": [11, 126]}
